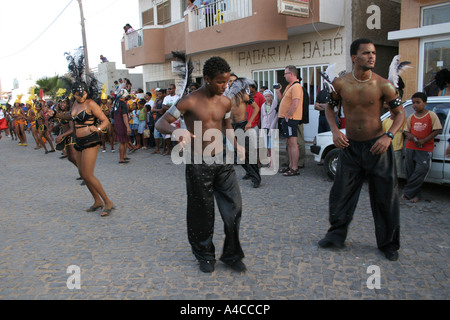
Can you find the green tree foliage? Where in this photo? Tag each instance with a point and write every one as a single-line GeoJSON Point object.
{"type": "Point", "coordinates": [51, 85]}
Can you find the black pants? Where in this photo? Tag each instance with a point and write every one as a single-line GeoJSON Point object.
{"type": "Point", "coordinates": [354, 164]}
{"type": "Point", "coordinates": [252, 170]}
{"type": "Point", "coordinates": [204, 182]}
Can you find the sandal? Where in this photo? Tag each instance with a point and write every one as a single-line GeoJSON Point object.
{"type": "Point", "coordinates": [107, 212]}
{"type": "Point", "coordinates": [93, 208]}
{"type": "Point", "coordinates": [291, 172]}
{"type": "Point", "coordinates": [284, 170]}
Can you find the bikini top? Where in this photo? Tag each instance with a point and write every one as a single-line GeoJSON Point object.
{"type": "Point", "coordinates": [81, 118]}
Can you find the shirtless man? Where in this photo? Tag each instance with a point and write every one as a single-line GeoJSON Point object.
{"type": "Point", "coordinates": [365, 150]}
{"type": "Point", "coordinates": [205, 181]}
{"type": "Point", "coordinates": [239, 121]}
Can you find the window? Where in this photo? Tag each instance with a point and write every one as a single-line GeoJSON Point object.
{"type": "Point", "coordinates": [441, 111]}
{"type": "Point", "coordinates": [435, 14]}
{"type": "Point", "coordinates": [148, 17]}
{"type": "Point", "coordinates": [163, 84]}
{"type": "Point", "coordinates": [265, 78]}
{"type": "Point", "coordinates": [311, 79]}
{"type": "Point", "coordinates": [436, 56]}
{"type": "Point", "coordinates": [163, 13]}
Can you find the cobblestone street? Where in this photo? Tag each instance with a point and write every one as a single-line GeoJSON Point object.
{"type": "Point", "coordinates": [141, 251]}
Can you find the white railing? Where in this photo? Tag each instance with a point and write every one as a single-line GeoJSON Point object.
{"type": "Point", "coordinates": [133, 39]}
{"type": "Point", "coordinates": [219, 12]}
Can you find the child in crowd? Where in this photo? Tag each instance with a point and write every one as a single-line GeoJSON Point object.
{"type": "Point", "coordinates": [421, 129]}
{"type": "Point", "coordinates": [269, 122]}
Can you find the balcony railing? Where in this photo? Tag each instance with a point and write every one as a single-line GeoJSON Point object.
{"type": "Point", "coordinates": [133, 39]}
{"type": "Point", "coordinates": [219, 12]}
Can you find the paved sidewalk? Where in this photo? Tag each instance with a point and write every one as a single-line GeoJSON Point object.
{"type": "Point", "coordinates": [141, 251]}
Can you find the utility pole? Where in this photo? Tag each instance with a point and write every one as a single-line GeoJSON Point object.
{"type": "Point", "coordinates": [83, 32]}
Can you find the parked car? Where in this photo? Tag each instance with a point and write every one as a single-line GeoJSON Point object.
{"type": "Point", "coordinates": [325, 151]}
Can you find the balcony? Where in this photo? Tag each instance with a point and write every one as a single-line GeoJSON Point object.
{"type": "Point", "coordinates": [226, 24]}
{"type": "Point", "coordinates": [133, 39]}
{"type": "Point", "coordinates": [153, 44]}
{"type": "Point", "coordinates": [219, 12]}
{"type": "Point", "coordinates": [232, 23]}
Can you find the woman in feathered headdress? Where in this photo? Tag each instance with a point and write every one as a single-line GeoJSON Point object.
{"type": "Point", "coordinates": [66, 139]}
{"type": "Point", "coordinates": [31, 118]}
{"type": "Point", "coordinates": [42, 127]}
{"type": "Point", "coordinates": [20, 121]}
{"type": "Point", "coordinates": [89, 121]}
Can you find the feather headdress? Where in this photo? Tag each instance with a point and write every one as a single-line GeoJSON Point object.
{"type": "Point", "coordinates": [237, 90]}
{"type": "Point", "coordinates": [61, 92]}
{"type": "Point", "coordinates": [81, 82]}
{"type": "Point", "coordinates": [19, 98]}
{"type": "Point", "coordinates": [396, 69]}
{"type": "Point", "coordinates": [104, 96]}
{"type": "Point", "coordinates": [328, 76]}
{"type": "Point", "coordinates": [185, 69]}
{"type": "Point", "coordinates": [32, 94]}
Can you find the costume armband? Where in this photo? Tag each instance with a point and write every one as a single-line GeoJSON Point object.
{"type": "Point", "coordinates": [227, 115]}
{"type": "Point", "coordinates": [174, 112]}
{"type": "Point", "coordinates": [395, 103]}
{"type": "Point", "coordinates": [250, 101]}
{"type": "Point", "coordinates": [333, 102]}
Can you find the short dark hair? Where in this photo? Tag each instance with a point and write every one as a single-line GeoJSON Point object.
{"type": "Point", "coordinates": [355, 45]}
{"type": "Point", "coordinates": [292, 69]}
{"type": "Point", "coordinates": [420, 95]}
{"type": "Point", "coordinates": [215, 66]}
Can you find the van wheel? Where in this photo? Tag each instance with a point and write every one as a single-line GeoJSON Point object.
{"type": "Point", "coordinates": [330, 163]}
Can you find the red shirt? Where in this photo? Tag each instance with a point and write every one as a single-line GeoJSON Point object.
{"type": "Point", "coordinates": [422, 128]}
{"type": "Point", "coordinates": [259, 99]}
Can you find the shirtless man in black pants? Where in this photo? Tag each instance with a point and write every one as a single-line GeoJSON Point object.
{"type": "Point", "coordinates": [205, 181]}
{"type": "Point", "coordinates": [365, 150]}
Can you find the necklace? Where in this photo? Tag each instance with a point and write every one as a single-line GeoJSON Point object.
{"type": "Point", "coordinates": [362, 81]}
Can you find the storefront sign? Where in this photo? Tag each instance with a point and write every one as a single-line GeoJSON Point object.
{"type": "Point", "coordinates": [265, 55]}
{"type": "Point", "coordinates": [298, 8]}
{"type": "Point", "coordinates": [284, 53]}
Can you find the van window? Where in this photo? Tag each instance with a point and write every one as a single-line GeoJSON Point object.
{"type": "Point", "coordinates": [441, 110]}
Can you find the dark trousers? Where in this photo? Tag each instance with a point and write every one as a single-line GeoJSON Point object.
{"type": "Point", "coordinates": [417, 165]}
{"type": "Point", "coordinates": [252, 170]}
{"type": "Point", "coordinates": [204, 182]}
{"type": "Point", "coordinates": [354, 164]}
{"type": "Point", "coordinates": [323, 124]}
